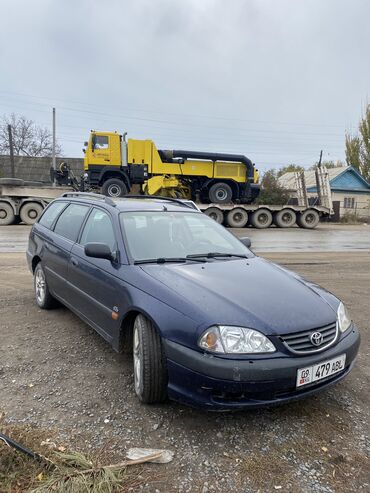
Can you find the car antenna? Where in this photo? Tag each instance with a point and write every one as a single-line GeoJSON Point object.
{"type": "Point", "coordinates": [165, 208]}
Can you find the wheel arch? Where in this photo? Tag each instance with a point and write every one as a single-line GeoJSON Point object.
{"type": "Point", "coordinates": [127, 325]}
{"type": "Point", "coordinates": [35, 260]}
{"type": "Point", "coordinates": [232, 183]}
{"type": "Point", "coordinates": [110, 172]}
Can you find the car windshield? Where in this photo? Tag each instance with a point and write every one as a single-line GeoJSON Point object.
{"type": "Point", "coordinates": [168, 235]}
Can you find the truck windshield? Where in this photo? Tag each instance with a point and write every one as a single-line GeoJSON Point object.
{"type": "Point", "coordinates": [168, 235]}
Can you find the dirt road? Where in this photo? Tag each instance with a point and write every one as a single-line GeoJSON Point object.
{"type": "Point", "coordinates": [58, 374]}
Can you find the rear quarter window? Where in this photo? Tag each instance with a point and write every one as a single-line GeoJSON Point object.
{"type": "Point", "coordinates": [51, 213]}
{"type": "Point", "coordinates": [70, 221]}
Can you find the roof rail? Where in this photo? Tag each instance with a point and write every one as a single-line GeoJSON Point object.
{"type": "Point", "coordinates": [185, 202]}
{"type": "Point", "coordinates": [90, 195]}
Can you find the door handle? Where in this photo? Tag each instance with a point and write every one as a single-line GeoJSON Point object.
{"type": "Point", "coordinates": [74, 262]}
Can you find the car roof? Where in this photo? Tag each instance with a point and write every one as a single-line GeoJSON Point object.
{"type": "Point", "coordinates": [133, 203]}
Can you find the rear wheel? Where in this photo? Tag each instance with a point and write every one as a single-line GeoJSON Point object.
{"type": "Point", "coordinates": [7, 215]}
{"type": "Point", "coordinates": [215, 214]}
{"type": "Point", "coordinates": [237, 218]}
{"type": "Point", "coordinates": [114, 187]}
{"type": "Point", "coordinates": [261, 218]}
{"type": "Point", "coordinates": [285, 218]}
{"type": "Point", "coordinates": [309, 219]}
{"type": "Point", "coordinates": [150, 373]}
{"type": "Point", "coordinates": [30, 212]}
{"type": "Point", "coordinates": [42, 294]}
{"type": "Point", "coordinates": [220, 193]}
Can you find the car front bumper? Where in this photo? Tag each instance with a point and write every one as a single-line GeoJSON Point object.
{"type": "Point", "coordinates": [204, 380]}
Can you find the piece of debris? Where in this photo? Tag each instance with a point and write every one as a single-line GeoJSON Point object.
{"type": "Point", "coordinates": [277, 487]}
{"type": "Point", "coordinates": [324, 449]}
{"type": "Point", "coordinates": [141, 453]}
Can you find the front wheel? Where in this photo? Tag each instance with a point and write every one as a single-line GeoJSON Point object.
{"type": "Point", "coordinates": [150, 373]}
{"type": "Point", "coordinates": [114, 187]}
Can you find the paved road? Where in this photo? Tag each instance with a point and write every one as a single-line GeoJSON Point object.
{"type": "Point", "coordinates": [326, 238]}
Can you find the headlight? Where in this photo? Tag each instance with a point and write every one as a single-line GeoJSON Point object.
{"type": "Point", "coordinates": [237, 340]}
{"type": "Point", "coordinates": [344, 320]}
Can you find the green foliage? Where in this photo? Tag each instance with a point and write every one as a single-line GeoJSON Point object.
{"type": "Point", "coordinates": [329, 164]}
{"type": "Point", "coordinates": [358, 147]}
{"type": "Point", "coordinates": [289, 168]}
{"type": "Point", "coordinates": [271, 192]}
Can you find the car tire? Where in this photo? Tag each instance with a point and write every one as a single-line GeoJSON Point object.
{"type": "Point", "coordinates": [261, 218]}
{"type": "Point", "coordinates": [309, 219]}
{"type": "Point", "coordinates": [30, 212]}
{"type": "Point", "coordinates": [237, 218]}
{"type": "Point", "coordinates": [7, 215]}
{"type": "Point", "coordinates": [114, 187]}
{"type": "Point", "coordinates": [150, 372]}
{"type": "Point", "coordinates": [220, 193]}
{"type": "Point", "coordinates": [44, 299]}
{"type": "Point", "coordinates": [286, 218]}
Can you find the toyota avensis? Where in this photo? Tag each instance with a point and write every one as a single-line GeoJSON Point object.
{"type": "Point", "coordinates": [209, 323]}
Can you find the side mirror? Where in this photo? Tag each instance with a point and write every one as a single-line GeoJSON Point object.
{"type": "Point", "coordinates": [246, 241]}
{"type": "Point", "coordinates": [86, 143]}
{"type": "Point", "coordinates": [98, 250]}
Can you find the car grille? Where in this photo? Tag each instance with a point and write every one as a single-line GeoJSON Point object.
{"type": "Point", "coordinates": [300, 342]}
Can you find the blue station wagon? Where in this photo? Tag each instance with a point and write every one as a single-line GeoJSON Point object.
{"type": "Point", "coordinates": [209, 323]}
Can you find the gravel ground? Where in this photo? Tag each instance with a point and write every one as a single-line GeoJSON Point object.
{"type": "Point", "coordinates": [56, 373]}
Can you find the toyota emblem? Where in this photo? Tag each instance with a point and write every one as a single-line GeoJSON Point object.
{"type": "Point", "coordinates": [316, 338]}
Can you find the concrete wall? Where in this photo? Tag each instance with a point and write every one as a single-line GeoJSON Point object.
{"type": "Point", "coordinates": [35, 168]}
{"type": "Point", "coordinates": [361, 203]}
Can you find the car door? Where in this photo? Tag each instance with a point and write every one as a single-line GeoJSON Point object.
{"type": "Point", "coordinates": [59, 246]}
{"type": "Point", "coordinates": [98, 293]}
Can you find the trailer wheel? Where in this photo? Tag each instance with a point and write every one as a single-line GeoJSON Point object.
{"type": "Point", "coordinates": [285, 218]}
{"type": "Point", "coordinates": [114, 187]}
{"type": "Point", "coordinates": [261, 218]}
{"type": "Point", "coordinates": [220, 193]}
{"type": "Point", "coordinates": [237, 218]}
{"type": "Point", "coordinates": [30, 212]}
{"type": "Point", "coordinates": [215, 214]}
{"type": "Point", "coordinates": [7, 215]}
{"type": "Point", "coordinates": [309, 219]}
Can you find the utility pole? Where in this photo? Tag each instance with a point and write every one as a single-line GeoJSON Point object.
{"type": "Point", "coordinates": [11, 151]}
{"type": "Point", "coordinates": [53, 153]}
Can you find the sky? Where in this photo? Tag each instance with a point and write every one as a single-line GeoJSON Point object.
{"type": "Point", "coordinates": [276, 80]}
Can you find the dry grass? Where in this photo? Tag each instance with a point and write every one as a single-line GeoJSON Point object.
{"type": "Point", "coordinates": [73, 472]}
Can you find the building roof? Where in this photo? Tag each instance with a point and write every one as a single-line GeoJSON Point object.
{"type": "Point", "coordinates": [341, 178]}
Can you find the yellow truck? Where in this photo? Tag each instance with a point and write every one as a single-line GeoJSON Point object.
{"type": "Point", "coordinates": [115, 165]}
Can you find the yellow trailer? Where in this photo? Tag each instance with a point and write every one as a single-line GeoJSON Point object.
{"type": "Point", "coordinates": [115, 165]}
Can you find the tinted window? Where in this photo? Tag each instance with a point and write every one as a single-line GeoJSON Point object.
{"type": "Point", "coordinates": [70, 221]}
{"type": "Point", "coordinates": [51, 213]}
{"type": "Point", "coordinates": [99, 229]}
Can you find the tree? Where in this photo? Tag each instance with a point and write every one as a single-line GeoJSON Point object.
{"type": "Point", "coordinates": [29, 139]}
{"type": "Point", "coordinates": [329, 164]}
{"type": "Point", "coordinates": [358, 147]}
{"type": "Point", "coordinates": [289, 168]}
{"type": "Point", "coordinates": [271, 192]}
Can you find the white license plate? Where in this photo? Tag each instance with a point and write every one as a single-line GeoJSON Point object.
{"type": "Point", "coordinates": [320, 371]}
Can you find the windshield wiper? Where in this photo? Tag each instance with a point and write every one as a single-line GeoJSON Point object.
{"type": "Point", "coordinates": [215, 255]}
{"type": "Point", "coordinates": [163, 260]}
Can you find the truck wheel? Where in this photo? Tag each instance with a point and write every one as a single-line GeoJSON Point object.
{"type": "Point", "coordinates": [285, 218]}
{"type": "Point", "coordinates": [30, 212]}
{"type": "Point", "coordinates": [7, 215]}
{"type": "Point", "coordinates": [42, 294]}
{"type": "Point", "coordinates": [237, 218]}
{"type": "Point", "coordinates": [114, 187]}
{"type": "Point", "coordinates": [309, 219]}
{"type": "Point", "coordinates": [261, 218]}
{"type": "Point", "coordinates": [220, 193]}
{"type": "Point", "coordinates": [150, 373]}
{"type": "Point", "coordinates": [215, 214]}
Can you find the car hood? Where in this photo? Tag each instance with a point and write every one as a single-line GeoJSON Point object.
{"type": "Point", "coordinates": [251, 292]}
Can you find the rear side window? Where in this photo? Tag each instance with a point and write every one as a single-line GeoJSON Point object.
{"type": "Point", "coordinates": [99, 229]}
{"type": "Point", "coordinates": [70, 221]}
{"type": "Point", "coordinates": [51, 213]}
